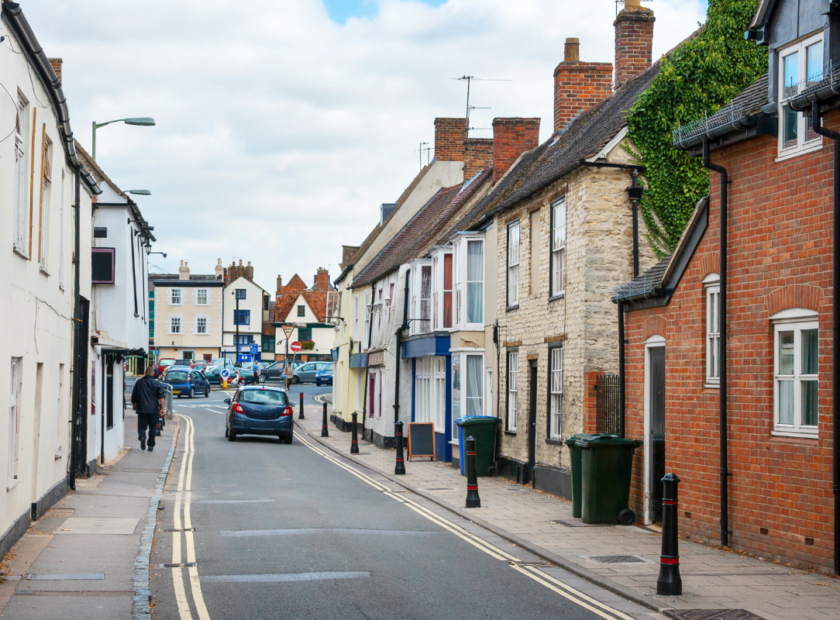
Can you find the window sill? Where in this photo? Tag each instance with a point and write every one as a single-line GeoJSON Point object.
{"type": "Point", "coordinates": [44, 271]}
{"type": "Point", "coordinates": [59, 454]}
{"type": "Point", "coordinates": [554, 440]}
{"type": "Point", "coordinates": [557, 296]}
{"type": "Point", "coordinates": [793, 440]}
{"type": "Point", "coordinates": [810, 148]}
{"type": "Point", "coordinates": [511, 433]}
{"type": "Point", "coordinates": [509, 308]}
{"type": "Point", "coordinates": [796, 434]}
{"type": "Point", "coordinates": [20, 252]}
{"type": "Point", "coordinates": [12, 484]}
{"type": "Point", "coordinates": [711, 386]}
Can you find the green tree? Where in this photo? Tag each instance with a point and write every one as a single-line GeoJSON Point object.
{"type": "Point", "coordinates": [697, 78]}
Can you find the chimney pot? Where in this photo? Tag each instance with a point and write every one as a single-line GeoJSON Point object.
{"type": "Point", "coordinates": [633, 41]}
{"type": "Point", "coordinates": [572, 51]}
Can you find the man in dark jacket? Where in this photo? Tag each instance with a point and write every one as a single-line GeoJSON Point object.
{"type": "Point", "coordinates": [148, 400]}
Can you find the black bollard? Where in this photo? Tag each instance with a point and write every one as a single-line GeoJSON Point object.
{"type": "Point", "coordinates": [669, 582]}
{"type": "Point", "coordinates": [399, 469]}
{"type": "Point", "coordinates": [300, 413]}
{"type": "Point", "coordinates": [354, 442]}
{"type": "Point", "coordinates": [325, 431]}
{"type": "Point", "coordinates": [473, 500]}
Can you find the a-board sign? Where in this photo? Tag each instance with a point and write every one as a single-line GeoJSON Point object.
{"type": "Point", "coordinates": [295, 347]}
{"type": "Point", "coordinates": [421, 440]}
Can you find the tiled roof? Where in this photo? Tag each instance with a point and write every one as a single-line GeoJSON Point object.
{"type": "Point", "coordinates": [644, 284]}
{"type": "Point", "coordinates": [295, 285]}
{"type": "Point", "coordinates": [410, 239]}
{"type": "Point", "coordinates": [317, 301]}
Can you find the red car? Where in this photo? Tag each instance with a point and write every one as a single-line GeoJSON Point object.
{"type": "Point", "coordinates": [163, 363]}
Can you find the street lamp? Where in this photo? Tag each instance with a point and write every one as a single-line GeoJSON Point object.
{"type": "Point", "coordinates": [141, 121]}
{"type": "Point", "coordinates": [236, 323]}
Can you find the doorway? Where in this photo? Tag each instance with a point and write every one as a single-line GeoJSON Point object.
{"type": "Point", "coordinates": [655, 428]}
{"type": "Point", "coordinates": [532, 423]}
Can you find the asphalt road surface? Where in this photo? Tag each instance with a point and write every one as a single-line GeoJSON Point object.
{"type": "Point", "coordinates": [294, 531]}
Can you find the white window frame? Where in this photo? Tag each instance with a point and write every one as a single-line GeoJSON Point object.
{"type": "Point", "coordinates": [558, 247]}
{"type": "Point", "coordinates": [803, 143]}
{"type": "Point", "coordinates": [169, 324]}
{"type": "Point", "coordinates": [14, 422]}
{"type": "Point", "coordinates": [423, 390]}
{"type": "Point", "coordinates": [462, 281]}
{"type": "Point", "coordinates": [172, 297]}
{"type": "Point", "coordinates": [356, 318]}
{"type": "Point", "coordinates": [46, 205]}
{"type": "Point", "coordinates": [198, 319]}
{"type": "Point", "coordinates": [456, 396]}
{"type": "Point", "coordinates": [512, 370]}
{"type": "Point", "coordinates": [198, 293]}
{"type": "Point", "coordinates": [21, 213]}
{"type": "Point", "coordinates": [712, 287]}
{"type": "Point", "coordinates": [555, 392]}
{"type": "Point", "coordinates": [439, 394]}
{"type": "Point", "coordinates": [366, 335]}
{"type": "Point", "coordinates": [797, 321]}
{"type": "Point", "coordinates": [479, 407]}
{"type": "Point", "coordinates": [513, 259]}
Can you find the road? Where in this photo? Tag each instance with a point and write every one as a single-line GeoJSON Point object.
{"type": "Point", "coordinates": [289, 531]}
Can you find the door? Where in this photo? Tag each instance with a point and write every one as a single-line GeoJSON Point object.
{"type": "Point", "coordinates": [532, 423]}
{"type": "Point", "coordinates": [656, 426]}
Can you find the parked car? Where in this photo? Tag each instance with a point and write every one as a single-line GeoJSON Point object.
{"type": "Point", "coordinates": [306, 373]}
{"type": "Point", "coordinates": [200, 365]}
{"type": "Point", "coordinates": [324, 376]}
{"type": "Point", "coordinates": [213, 375]}
{"type": "Point", "coordinates": [260, 411]}
{"type": "Point", "coordinates": [185, 363]}
{"type": "Point", "coordinates": [222, 362]}
{"type": "Point", "coordinates": [274, 372]}
{"type": "Point", "coordinates": [247, 376]}
{"type": "Point", "coordinates": [186, 382]}
{"type": "Point", "coordinates": [163, 363]}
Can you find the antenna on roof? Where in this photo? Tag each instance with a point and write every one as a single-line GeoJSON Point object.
{"type": "Point", "coordinates": [428, 149]}
{"type": "Point", "coordinates": [469, 79]}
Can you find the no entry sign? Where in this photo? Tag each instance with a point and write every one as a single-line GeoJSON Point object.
{"type": "Point", "coordinates": [295, 347]}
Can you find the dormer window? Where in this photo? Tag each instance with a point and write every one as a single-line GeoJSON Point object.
{"type": "Point", "coordinates": [800, 66]}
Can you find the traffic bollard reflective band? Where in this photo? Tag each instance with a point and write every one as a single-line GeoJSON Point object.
{"type": "Point", "coordinates": [669, 582]}
{"type": "Point", "coordinates": [325, 432]}
{"type": "Point", "coordinates": [473, 500]}
{"type": "Point", "coordinates": [399, 469]}
{"type": "Point", "coordinates": [300, 413]}
{"type": "Point", "coordinates": [354, 442]}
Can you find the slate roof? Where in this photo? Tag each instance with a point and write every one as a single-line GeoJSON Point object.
{"type": "Point", "coordinates": [644, 284]}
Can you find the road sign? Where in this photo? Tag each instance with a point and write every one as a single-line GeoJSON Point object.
{"type": "Point", "coordinates": [295, 347]}
{"type": "Point", "coordinates": [255, 349]}
{"type": "Point", "coordinates": [225, 373]}
{"type": "Point", "coordinates": [288, 329]}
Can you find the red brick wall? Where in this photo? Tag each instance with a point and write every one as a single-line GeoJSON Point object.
{"type": "Point", "coordinates": [633, 42]}
{"type": "Point", "coordinates": [590, 395]}
{"type": "Point", "coordinates": [511, 138]}
{"type": "Point", "coordinates": [449, 138]}
{"type": "Point", "coordinates": [577, 87]}
{"type": "Point", "coordinates": [478, 155]}
{"type": "Point", "coordinates": [322, 280]}
{"type": "Point", "coordinates": [780, 251]}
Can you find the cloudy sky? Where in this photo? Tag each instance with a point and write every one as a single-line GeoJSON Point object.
{"type": "Point", "coordinates": [282, 125]}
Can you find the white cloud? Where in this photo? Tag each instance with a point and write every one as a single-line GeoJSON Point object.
{"type": "Point", "coordinates": [279, 131]}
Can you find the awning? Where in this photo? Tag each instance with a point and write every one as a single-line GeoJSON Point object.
{"type": "Point", "coordinates": [436, 344]}
{"type": "Point", "coordinates": [358, 360]}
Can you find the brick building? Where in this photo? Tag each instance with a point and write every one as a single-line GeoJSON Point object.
{"type": "Point", "coordinates": [729, 358]}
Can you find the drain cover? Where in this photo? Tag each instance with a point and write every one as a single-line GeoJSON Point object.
{"type": "Point", "coordinates": [617, 559]}
{"type": "Point", "coordinates": [711, 614]}
{"type": "Point", "coordinates": [579, 524]}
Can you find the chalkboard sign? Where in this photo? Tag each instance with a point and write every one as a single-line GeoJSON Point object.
{"type": "Point", "coordinates": [421, 440]}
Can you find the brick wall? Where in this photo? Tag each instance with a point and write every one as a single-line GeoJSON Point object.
{"type": "Point", "coordinates": [578, 85]}
{"type": "Point", "coordinates": [780, 251]}
{"type": "Point", "coordinates": [511, 138]}
{"type": "Point", "coordinates": [449, 138]}
{"type": "Point", "coordinates": [478, 155]}
{"type": "Point", "coordinates": [633, 42]}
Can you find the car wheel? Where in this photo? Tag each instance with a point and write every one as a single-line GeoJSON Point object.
{"type": "Point", "coordinates": [192, 393]}
{"type": "Point", "coordinates": [231, 436]}
{"type": "Point", "coordinates": [295, 380]}
{"type": "Point", "coordinates": [207, 393]}
{"type": "Point", "coordinates": [288, 439]}
{"type": "Point", "coordinates": [317, 383]}
{"type": "Point", "coordinates": [226, 431]}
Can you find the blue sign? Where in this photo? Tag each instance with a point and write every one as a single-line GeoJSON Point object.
{"type": "Point", "coordinates": [244, 358]}
{"type": "Point", "coordinates": [225, 373]}
{"type": "Point", "coordinates": [255, 349]}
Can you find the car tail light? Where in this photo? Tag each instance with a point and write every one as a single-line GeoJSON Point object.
{"type": "Point", "coordinates": [237, 408]}
{"type": "Point", "coordinates": [286, 411]}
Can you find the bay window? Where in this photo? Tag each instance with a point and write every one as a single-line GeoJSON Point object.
{"type": "Point", "coordinates": [796, 368]}
{"type": "Point", "coordinates": [800, 66]}
{"type": "Point", "coordinates": [513, 264]}
{"type": "Point", "coordinates": [467, 386]}
{"type": "Point", "coordinates": [558, 247]}
{"type": "Point", "coordinates": [468, 267]}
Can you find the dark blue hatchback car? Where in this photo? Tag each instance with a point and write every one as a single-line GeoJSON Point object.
{"type": "Point", "coordinates": [186, 382]}
{"type": "Point", "coordinates": [260, 411]}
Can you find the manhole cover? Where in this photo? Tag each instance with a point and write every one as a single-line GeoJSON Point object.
{"type": "Point", "coordinates": [617, 559]}
{"type": "Point", "coordinates": [711, 614]}
{"type": "Point", "coordinates": [579, 524]}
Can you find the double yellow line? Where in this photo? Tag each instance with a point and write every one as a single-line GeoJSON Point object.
{"type": "Point", "coordinates": [555, 585]}
{"type": "Point", "coordinates": [183, 494]}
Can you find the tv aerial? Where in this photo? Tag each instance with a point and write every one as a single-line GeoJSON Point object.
{"type": "Point", "coordinates": [469, 79]}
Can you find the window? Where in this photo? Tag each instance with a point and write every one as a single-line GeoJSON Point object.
{"type": "Point", "coordinates": [21, 221]}
{"type": "Point", "coordinates": [800, 66]}
{"type": "Point", "coordinates": [456, 395]}
{"type": "Point", "coordinates": [513, 264]}
{"type": "Point", "coordinates": [558, 247]}
{"type": "Point", "coordinates": [240, 293]}
{"type": "Point", "coordinates": [447, 290]}
{"type": "Point", "coordinates": [14, 418]}
{"type": "Point", "coordinates": [439, 405]}
{"type": "Point", "coordinates": [555, 417]}
{"type": "Point", "coordinates": [175, 297]}
{"type": "Point", "coordinates": [423, 390]}
{"type": "Point", "coordinates": [245, 340]}
{"type": "Point", "coordinates": [475, 281]}
{"type": "Point", "coordinates": [456, 286]}
{"type": "Point", "coordinates": [425, 299]}
{"type": "Point", "coordinates": [45, 200]}
{"type": "Point", "coordinates": [796, 392]}
{"type": "Point", "coordinates": [366, 335]}
{"type": "Point", "coordinates": [301, 310]}
{"type": "Point", "coordinates": [201, 298]}
{"type": "Point", "coordinates": [174, 325]}
{"type": "Point", "coordinates": [305, 334]}
{"type": "Point", "coordinates": [512, 387]}
{"type": "Point", "coordinates": [372, 395]}
{"type": "Point", "coordinates": [241, 317]}
{"type": "Point", "coordinates": [201, 325]}
{"type": "Point", "coordinates": [712, 284]}
{"type": "Point", "coordinates": [475, 385]}
{"type": "Point", "coordinates": [356, 314]}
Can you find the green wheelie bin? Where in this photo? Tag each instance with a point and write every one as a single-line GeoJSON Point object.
{"type": "Point", "coordinates": [482, 428]}
{"type": "Point", "coordinates": [575, 453]}
{"type": "Point", "coordinates": [607, 462]}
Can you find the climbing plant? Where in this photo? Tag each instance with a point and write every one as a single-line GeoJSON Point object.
{"type": "Point", "coordinates": [697, 78]}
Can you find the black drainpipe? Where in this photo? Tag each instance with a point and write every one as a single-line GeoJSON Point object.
{"type": "Point", "coordinates": [635, 192]}
{"type": "Point", "coordinates": [724, 471]}
{"type": "Point", "coordinates": [79, 373]}
{"type": "Point", "coordinates": [816, 125]}
{"type": "Point", "coordinates": [621, 429]}
{"type": "Point", "coordinates": [400, 329]}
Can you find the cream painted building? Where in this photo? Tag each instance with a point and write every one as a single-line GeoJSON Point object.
{"type": "Point", "coordinates": [252, 302]}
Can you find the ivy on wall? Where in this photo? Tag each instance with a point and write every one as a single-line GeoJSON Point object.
{"type": "Point", "coordinates": [697, 78]}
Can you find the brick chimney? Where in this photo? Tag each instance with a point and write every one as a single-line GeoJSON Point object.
{"type": "Point", "coordinates": [56, 63]}
{"type": "Point", "coordinates": [511, 138]}
{"type": "Point", "coordinates": [279, 284]}
{"type": "Point", "coordinates": [184, 271]}
{"type": "Point", "coordinates": [322, 280]}
{"type": "Point", "coordinates": [478, 155]}
{"type": "Point", "coordinates": [449, 138]}
{"type": "Point", "coordinates": [578, 85]}
{"type": "Point", "coordinates": [633, 41]}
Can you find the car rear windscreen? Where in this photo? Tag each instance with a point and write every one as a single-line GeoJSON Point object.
{"type": "Point", "coordinates": [264, 397]}
{"type": "Point", "coordinates": [176, 377]}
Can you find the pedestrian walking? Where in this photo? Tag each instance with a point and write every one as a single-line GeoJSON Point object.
{"type": "Point", "coordinates": [289, 372]}
{"type": "Point", "coordinates": [148, 400]}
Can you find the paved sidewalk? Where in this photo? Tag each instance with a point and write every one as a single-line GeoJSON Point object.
{"type": "Point", "coordinates": [93, 546]}
{"type": "Point", "coordinates": [712, 578]}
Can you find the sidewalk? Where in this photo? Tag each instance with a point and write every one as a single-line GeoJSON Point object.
{"type": "Point", "coordinates": [543, 524]}
{"type": "Point", "coordinates": [88, 556]}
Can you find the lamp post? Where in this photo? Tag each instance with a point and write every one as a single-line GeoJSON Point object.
{"type": "Point", "coordinates": [141, 121]}
{"type": "Point", "coordinates": [236, 323]}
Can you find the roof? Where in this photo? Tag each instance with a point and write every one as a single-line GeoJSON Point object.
{"type": "Point", "coordinates": [584, 138]}
{"type": "Point", "coordinates": [317, 301]}
{"type": "Point", "coordinates": [189, 283]}
{"type": "Point", "coordinates": [295, 285]}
